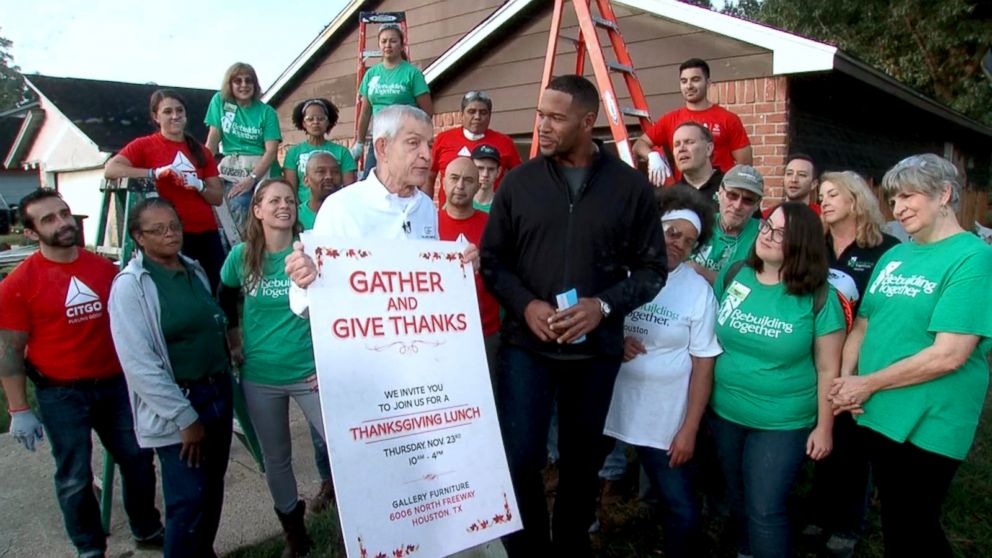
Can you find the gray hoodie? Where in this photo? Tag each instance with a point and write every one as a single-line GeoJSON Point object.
{"type": "Point", "coordinates": [160, 409]}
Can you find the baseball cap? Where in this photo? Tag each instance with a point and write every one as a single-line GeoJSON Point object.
{"type": "Point", "coordinates": [485, 151]}
{"type": "Point", "coordinates": [745, 177]}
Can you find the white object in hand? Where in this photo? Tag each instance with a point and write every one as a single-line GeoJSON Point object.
{"type": "Point", "coordinates": [658, 169]}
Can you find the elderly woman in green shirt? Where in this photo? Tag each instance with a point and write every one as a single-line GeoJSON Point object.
{"type": "Point", "coordinates": [914, 368]}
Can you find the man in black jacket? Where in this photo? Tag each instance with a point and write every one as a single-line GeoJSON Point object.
{"type": "Point", "coordinates": [573, 218]}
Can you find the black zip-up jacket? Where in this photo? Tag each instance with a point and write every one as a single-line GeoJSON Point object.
{"type": "Point", "coordinates": [539, 242]}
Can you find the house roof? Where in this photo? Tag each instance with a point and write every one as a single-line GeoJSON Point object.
{"type": "Point", "coordinates": [791, 54]}
{"type": "Point", "coordinates": [112, 113]}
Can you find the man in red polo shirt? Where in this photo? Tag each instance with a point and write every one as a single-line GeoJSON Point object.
{"type": "Point", "coordinates": [55, 311]}
{"type": "Point", "coordinates": [458, 217]}
{"type": "Point", "coordinates": [731, 145]}
{"type": "Point", "coordinates": [477, 111]}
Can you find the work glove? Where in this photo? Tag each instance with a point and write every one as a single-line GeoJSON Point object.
{"type": "Point", "coordinates": [357, 150]}
{"type": "Point", "coordinates": [190, 180]}
{"type": "Point", "coordinates": [658, 170]}
{"type": "Point", "coordinates": [25, 428]}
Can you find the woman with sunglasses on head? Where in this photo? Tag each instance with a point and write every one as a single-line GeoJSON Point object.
{"type": "Point", "coordinates": [184, 172]}
{"type": "Point", "coordinates": [246, 132]}
{"type": "Point", "coordinates": [316, 117]}
{"type": "Point", "coordinates": [394, 81]}
{"type": "Point", "coordinates": [855, 243]}
{"type": "Point", "coordinates": [782, 329]}
{"type": "Point", "coordinates": [477, 112]}
{"type": "Point", "coordinates": [170, 336]}
{"type": "Point", "coordinates": [664, 383]}
{"type": "Point", "coordinates": [272, 346]}
{"type": "Point", "coordinates": [915, 372]}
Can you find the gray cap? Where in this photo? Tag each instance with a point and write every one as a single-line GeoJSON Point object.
{"type": "Point", "coordinates": [745, 177]}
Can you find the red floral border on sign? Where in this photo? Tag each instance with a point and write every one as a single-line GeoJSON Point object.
{"type": "Point", "coordinates": [335, 253]}
{"type": "Point", "coordinates": [483, 524]}
{"type": "Point", "coordinates": [445, 257]}
{"type": "Point", "coordinates": [401, 552]}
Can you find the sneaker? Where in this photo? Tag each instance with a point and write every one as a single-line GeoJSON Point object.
{"type": "Point", "coordinates": [841, 547]}
{"type": "Point", "coordinates": [154, 542]}
{"type": "Point", "coordinates": [323, 499]}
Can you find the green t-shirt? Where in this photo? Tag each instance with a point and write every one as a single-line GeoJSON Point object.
{"type": "Point", "coordinates": [193, 324]}
{"type": "Point", "coordinates": [916, 291]}
{"type": "Point", "coordinates": [298, 155]}
{"type": "Point", "coordinates": [482, 206]}
{"type": "Point", "coordinates": [722, 250]}
{"type": "Point", "coordinates": [400, 85]}
{"type": "Point", "coordinates": [278, 349]}
{"type": "Point", "coordinates": [305, 215]}
{"type": "Point", "coordinates": [766, 377]}
{"type": "Point", "coordinates": [244, 130]}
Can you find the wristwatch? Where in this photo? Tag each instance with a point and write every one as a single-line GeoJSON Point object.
{"type": "Point", "coordinates": [604, 307]}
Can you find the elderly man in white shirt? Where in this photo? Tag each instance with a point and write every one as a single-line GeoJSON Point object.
{"type": "Point", "coordinates": [387, 204]}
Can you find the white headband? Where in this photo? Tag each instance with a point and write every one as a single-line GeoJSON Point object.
{"type": "Point", "coordinates": [686, 214]}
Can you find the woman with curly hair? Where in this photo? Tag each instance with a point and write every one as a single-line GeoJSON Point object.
{"type": "Point", "coordinates": [316, 117]}
{"type": "Point", "coordinates": [664, 384]}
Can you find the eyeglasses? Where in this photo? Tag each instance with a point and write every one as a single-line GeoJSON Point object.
{"type": "Point", "coordinates": [777, 235]}
{"type": "Point", "coordinates": [318, 118]}
{"type": "Point", "coordinates": [735, 197]}
{"type": "Point", "coordinates": [242, 81]}
{"type": "Point", "coordinates": [476, 96]}
{"type": "Point", "coordinates": [161, 228]}
{"type": "Point", "coordinates": [675, 235]}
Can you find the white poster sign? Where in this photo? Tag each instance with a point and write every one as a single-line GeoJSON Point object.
{"type": "Point", "coordinates": [418, 461]}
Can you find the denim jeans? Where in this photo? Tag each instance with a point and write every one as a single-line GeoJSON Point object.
{"type": "Point", "coordinates": [615, 464]}
{"type": "Point", "coordinates": [370, 161]}
{"type": "Point", "coordinates": [760, 467]}
{"type": "Point", "coordinates": [194, 496]}
{"type": "Point", "coordinates": [527, 385]}
{"type": "Point", "coordinates": [675, 487]}
{"type": "Point", "coordinates": [320, 458]}
{"type": "Point", "coordinates": [840, 483]}
{"type": "Point", "coordinates": [268, 406]}
{"type": "Point", "coordinates": [69, 414]}
{"type": "Point", "coordinates": [912, 485]}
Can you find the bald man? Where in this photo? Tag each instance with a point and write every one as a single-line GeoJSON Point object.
{"type": "Point", "coordinates": [323, 177]}
{"type": "Point", "coordinates": [459, 217]}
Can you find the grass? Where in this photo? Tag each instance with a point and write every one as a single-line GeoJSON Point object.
{"type": "Point", "coordinates": [967, 521]}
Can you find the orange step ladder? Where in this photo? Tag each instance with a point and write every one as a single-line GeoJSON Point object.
{"type": "Point", "coordinates": [375, 18]}
{"type": "Point", "coordinates": [588, 43]}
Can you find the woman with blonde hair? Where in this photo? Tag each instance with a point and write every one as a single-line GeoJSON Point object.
{"type": "Point", "coordinates": [914, 369]}
{"type": "Point", "coordinates": [246, 131]}
{"type": "Point", "coordinates": [855, 243]}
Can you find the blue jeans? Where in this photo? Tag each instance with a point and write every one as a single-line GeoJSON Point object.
{"type": "Point", "coordinates": [369, 160]}
{"type": "Point", "coordinates": [615, 465]}
{"type": "Point", "coordinates": [527, 385]}
{"type": "Point", "coordinates": [760, 467]}
{"type": "Point", "coordinates": [683, 528]}
{"type": "Point", "coordinates": [194, 496]}
{"type": "Point", "coordinates": [69, 414]}
{"type": "Point", "coordinates": [320, 458]}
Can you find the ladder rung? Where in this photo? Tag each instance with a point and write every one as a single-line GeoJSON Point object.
{"type": "Point", "coordinates": [608, 24]}
{"type": "Point", "coordinates": [630, 111]}
{"type": "Point", "coordinates": [618, 67]}
{"type": "Point", "coordinates": [366, 54]}
{"type": "Point", "coordinates": [381, 17]}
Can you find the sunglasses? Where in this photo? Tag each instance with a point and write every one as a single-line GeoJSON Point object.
{"type": "Point", "coordinates": [476, 95]}
{"type": "Point", "coordinates": [735, 197]}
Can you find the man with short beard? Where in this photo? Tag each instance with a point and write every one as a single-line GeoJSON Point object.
{"type": "Point", "coordinates": [801, 183]}
{"type": "Point", "coordinates": [739, 195]}
{"type": "Point", "coordinates": [55, 309]}
{"type": "Point", "coordinates": [323, 178]}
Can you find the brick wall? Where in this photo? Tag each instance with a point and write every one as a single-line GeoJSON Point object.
{"type": "Point", "coordinates": [763, 106]}
{"type": "Point", "coordinates": [446, 121]}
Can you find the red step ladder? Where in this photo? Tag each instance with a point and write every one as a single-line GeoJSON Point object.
{"type": "Point", "coordinates": [375, 18]}
{"type": "Point", "coordinates": [588, 43]}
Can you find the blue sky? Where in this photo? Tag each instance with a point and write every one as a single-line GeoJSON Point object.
{"type": "Point", "coordinates": [178, 43]}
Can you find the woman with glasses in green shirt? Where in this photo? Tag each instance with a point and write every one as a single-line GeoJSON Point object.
{"type": "Point", "coordinates": [170, 336]}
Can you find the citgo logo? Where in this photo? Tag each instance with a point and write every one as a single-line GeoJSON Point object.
{"type": "Point", "coordinates": [81, 301]}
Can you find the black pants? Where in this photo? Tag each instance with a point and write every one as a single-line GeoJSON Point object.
{"type": "Point", "coordinates": [208, 251]}
{"type": "Point", "coordinates": [912, 484]}
{"type": "Point", "coordinates": [840, 482]}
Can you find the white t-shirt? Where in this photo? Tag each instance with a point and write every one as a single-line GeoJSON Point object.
{"type": "Point", "coordinates": [366, 209]}
{"type": "Point", "coordinates": [652, 390]}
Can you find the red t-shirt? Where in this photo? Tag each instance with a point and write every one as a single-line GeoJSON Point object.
{"type": "Point", "coordinates": [63, 308]}
{"type": "Point", "coordinates": [157, 151]}
{"type": "Point", "coordinates": [768, 210]}
{"type": "Point", "coordinates": [449, 229]}
{"type": "Point", "coordinates": [728, 133]}
{"type": "Point", "coordinates": [451, 144]}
